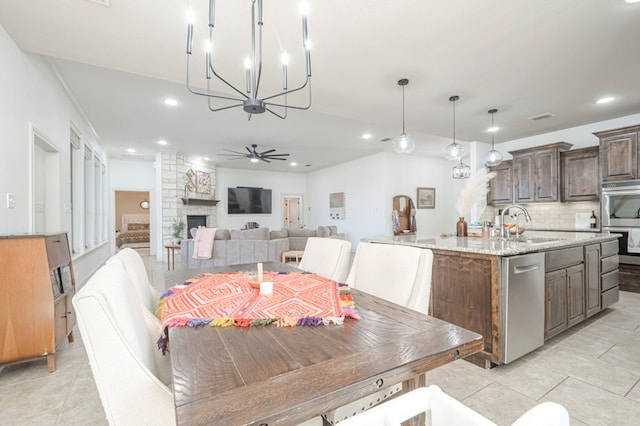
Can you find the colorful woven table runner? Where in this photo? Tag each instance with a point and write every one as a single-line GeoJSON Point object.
{"type": "Point", "coordinates": [227, 299]}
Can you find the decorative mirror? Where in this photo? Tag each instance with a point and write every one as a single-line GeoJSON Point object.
{"type": "Point", "coordinates": [144, 204]}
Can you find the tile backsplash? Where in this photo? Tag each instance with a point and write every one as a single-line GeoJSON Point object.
{"type": "Point", "coordinates": [556, 216]}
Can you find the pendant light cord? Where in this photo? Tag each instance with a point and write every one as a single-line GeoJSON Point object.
{"type": "Point", "coordinates": [492, 133]}
{"type": "Point", "coordinates": [403, 110]}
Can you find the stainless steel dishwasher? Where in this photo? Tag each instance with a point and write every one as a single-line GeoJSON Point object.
{"type": "Point", "coordinates": [523, 284]}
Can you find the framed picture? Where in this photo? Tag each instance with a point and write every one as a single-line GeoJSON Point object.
{"type": "Point", "coordinates": [337, 205]}
{"type": "Point", "coordinates": [203, 182]}
{"type": "Point", "coordinates": [426, 198]}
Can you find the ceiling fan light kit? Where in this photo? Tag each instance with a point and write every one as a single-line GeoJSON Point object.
{"type": "Point", "coordinates": [493, 157]}
{"type": "Point", "coordinates": [403, 144]}
{"type": "Point", "coordinates": [249, 100]}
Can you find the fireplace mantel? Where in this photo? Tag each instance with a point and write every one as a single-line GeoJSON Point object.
{"type": "Point", "coordinates": [199, 202]}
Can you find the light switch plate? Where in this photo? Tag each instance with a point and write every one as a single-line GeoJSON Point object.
{"type": "Point", "coordinates": [11, 201]}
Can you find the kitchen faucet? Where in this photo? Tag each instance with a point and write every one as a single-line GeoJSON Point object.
{"type": "Point", "coordinates": [503, 231]}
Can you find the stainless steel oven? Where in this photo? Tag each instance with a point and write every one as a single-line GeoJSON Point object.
{"type": "Point", "coordinates": [620, 213]}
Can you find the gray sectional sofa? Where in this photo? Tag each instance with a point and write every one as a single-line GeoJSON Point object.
{"type": "Point", "coordinates": [236, 246]}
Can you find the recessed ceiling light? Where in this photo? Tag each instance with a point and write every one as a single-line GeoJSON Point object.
{"type": "Point", "coordinates": [206, 158]}
{"type": "Point", "coordinates": [606, 100]}
{"type": "Point", "coordinates": [493, 129]}
{"type": "Point", "coordinates": [293, 164]}
{"type": "Point", "coordinates": [366, 136]}
{"type": "Point", "coordinates": [171, 102]}
{"type": "Point", "coordinates": [631, 1]}
{"type": "Point", "coordinates": [131, 150]}
{"type": "Point", "coordinates": [162, 142]}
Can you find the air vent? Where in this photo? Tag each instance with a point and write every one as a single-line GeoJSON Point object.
{"type": "Point", "coordinates": [542, 116]}
{"type": "Point", "coordinates": [385, 140]}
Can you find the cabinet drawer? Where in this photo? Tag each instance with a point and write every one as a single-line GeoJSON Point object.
{"type": "Point", "coordinates": [610, 280]}
{"type": "Point", "coordinates": [562, 258]}
{"type": "Point", "coordinates": [609, 248]}
{"type": "Point", "coordinates": [57, 250]}
{"type": "Point", "coordinates": [608, 264]}
{"type": "Point", "coordinates": [610, 297]}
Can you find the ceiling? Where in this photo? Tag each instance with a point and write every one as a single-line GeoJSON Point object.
{"type": "Point", "coordinates": [522, 57]}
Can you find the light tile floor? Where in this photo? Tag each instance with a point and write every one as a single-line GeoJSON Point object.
{"type": "Point", "coordinates": [593, 370]}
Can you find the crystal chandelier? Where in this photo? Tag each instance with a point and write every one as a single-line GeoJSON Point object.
{"type": "Point", "coordinates": [454, 151]}
{"type": "Point", "coordinates": [249, 100]}
{"type": "Point", "coordinates": [403, 144]}
{"type": "Point", "coordinates": [494, 157]}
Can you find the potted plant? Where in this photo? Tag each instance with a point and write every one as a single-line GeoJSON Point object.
{"type": "Point", "coordinates": [177, 225]}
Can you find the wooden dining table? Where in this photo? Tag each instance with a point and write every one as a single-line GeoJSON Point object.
{"type": "Point", "coordinates": [268, 375]}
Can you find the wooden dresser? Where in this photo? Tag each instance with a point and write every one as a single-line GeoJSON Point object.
{"type": "Point", "coordinates": [36, 286]}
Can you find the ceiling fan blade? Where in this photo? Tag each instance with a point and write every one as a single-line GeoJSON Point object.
{"type": "Point", "coordinates": [247, 148]}
{"type": "Point", "coordinates": [275, 158]}
{"type": "Point", "coordinates": [232, 155]}
{"type": "Point", "coordinates": [265, 160]}
{"type": "Point", "coordinates": [275, 155]}
{"type": "Point", "coordinates": [267, 152]}
{"type": "Point", "coordinates": [235, 152]}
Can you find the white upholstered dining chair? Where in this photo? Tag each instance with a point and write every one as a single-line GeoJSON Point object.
{"type": "Point", "coordinates": [399, 274]}
{"type": "Point", "coordinates": [443, 410]}
{"type": "Point", "coordinates": [328, 257]}
{"type": "Point", "coordinates": [131, 375]}
{"type": "Point", "coordinates": [134, 265]}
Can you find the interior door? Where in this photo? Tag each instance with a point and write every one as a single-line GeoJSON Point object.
{"type": "Point", "coordinates": [292, 212]}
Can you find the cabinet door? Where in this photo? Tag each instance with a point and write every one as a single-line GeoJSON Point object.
{"type": "Point", "coordinates": [523, 167]}
{"type": "Point", "coordinates": [60, 320]}
{"type": "Point", "coordinates": [580, 175]}
{"type": "Point", "coordinates": [555, 315]}
{"type": "Point", "coordinates": [575, 293]}
{"type": "Point", "coordinates": [618, 157]}
{"type": "Point", "coordinates": [546, 175]}
{"type": "Point", "coordinates": [592, 279]}
{"type": "Point", "coordinates": [501, 186]}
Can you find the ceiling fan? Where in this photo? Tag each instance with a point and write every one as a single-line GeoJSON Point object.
{"type": "Point", "coordinates": [255, 156]}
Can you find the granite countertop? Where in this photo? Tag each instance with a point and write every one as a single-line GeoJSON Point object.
{"type": "Point", "coordinates": [530, 242]}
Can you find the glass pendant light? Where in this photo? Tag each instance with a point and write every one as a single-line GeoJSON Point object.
{"type": "Point", "coordinates": [454, 151]}
{"type": "Point", "coordinates": [403, 144]}
{"type": "Point", "coordinates": [493, 157]}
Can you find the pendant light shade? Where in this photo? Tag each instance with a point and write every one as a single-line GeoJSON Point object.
{"type": "Point", "coordinates": [493, 157]}
{"type": "Point", "coordinates": [454, 151]}
{"type": "Point", "coordinates": [403, 144]}
{"type": "Point", "coordinates": [461, 171]}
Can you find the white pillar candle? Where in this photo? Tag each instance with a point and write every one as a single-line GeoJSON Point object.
{"type": "Point", "coordinates": [260, 276]}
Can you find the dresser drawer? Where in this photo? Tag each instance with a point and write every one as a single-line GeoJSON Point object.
{"type": "Point", "coordinates": [609, 248]}
{"type": "Point", "coordinates": [610, 280]}
{"type": "Point", "coordinates": [608, 264]}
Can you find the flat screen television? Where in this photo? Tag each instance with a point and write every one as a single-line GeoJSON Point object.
{"type": "Point", "coordinates": [245, 200]}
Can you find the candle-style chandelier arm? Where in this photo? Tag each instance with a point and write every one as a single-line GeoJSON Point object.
{"type": "Point", "coordinates": [253, 68]}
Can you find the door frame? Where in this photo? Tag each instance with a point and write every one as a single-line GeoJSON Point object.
{"type": "Point", "coordinates": [53, 199]}
{"type": "Point", "coordinates": [301, 210]}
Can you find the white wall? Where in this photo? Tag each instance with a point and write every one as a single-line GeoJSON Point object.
{"type": "Point", "coordinates": [370, 184]}
{"type": "Point", "coordinates": [279, 183]}
{"type": "Point", "coordinates": [32, 94]}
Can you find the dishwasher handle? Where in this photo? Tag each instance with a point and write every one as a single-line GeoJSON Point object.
{"type": "Point", "coordinates": [525, 268]}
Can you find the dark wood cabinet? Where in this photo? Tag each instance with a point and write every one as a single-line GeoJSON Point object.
{"type": "Point", "coordinates": [592, 279]}
{"type": "Point", "coordinates": [536, 173]}
{"type": "Point", "coordinates": [555, 320]}
{"type": "Point", "coordinates": [564, 289]}
{"type": "Point", "coordinates": [501, 186]}
{"type": "Point", "coordinates": [619, 153]}
{"type": "Point", "coordinates": [575, 295]}
{"type": "Point", "coordinates": [580, 174]}
{"type": "Point", "coordinates": [37, 285]}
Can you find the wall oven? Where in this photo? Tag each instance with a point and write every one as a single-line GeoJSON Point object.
{"type": "Point", "coordinates": [620, 213]}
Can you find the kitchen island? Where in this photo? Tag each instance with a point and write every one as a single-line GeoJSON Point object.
{"type": "Point", "coordinates": [471, 282]}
